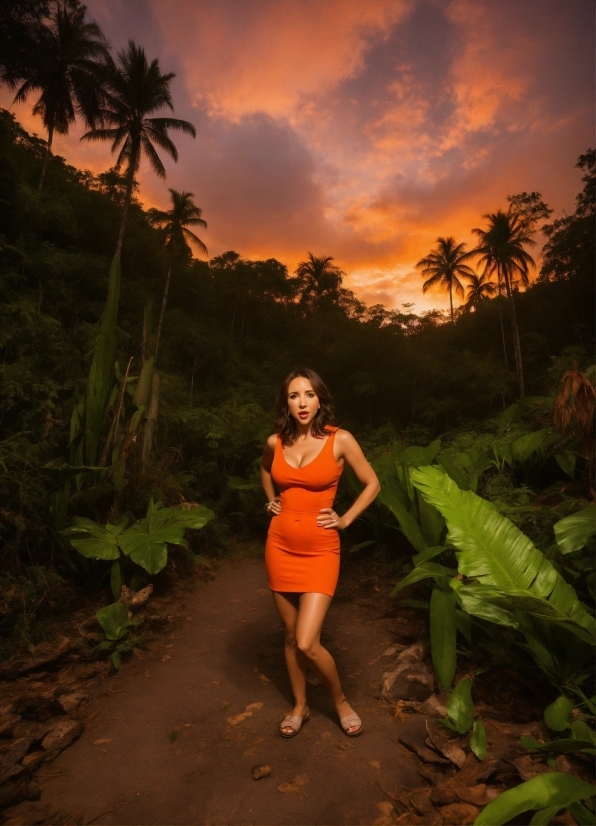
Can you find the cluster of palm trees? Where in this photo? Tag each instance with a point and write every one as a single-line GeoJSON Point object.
{"type": "Point", "coordinates": [500, 251]}
{"type": "Point", "coordinates": [121, 100]}
{"type": "Point", "coordinates": [72, 69]}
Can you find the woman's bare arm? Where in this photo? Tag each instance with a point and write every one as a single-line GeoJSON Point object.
{"type": "Point", "coordinates": [274, 505]}
{"type": "Point", "coordinates": [351, 452]}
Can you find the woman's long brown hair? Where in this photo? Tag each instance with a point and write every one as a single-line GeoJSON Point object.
{"type": "Point", "coordinates": [286, 424]}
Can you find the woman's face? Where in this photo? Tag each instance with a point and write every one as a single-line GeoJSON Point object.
{"type": "Point", "coordinates": [303, 402]}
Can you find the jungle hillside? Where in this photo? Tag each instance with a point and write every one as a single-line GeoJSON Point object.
{"type": "Point", "coordinates": [137, 390]}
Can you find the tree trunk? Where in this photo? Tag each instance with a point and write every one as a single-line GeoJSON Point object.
{"type": "Point", "coordinates": [162, 312]}
{"type": "Point", "coordinates": [516, 345]}
{"type": "Point", "coordinates": [47, 156]}
{"type": "Point", "coordinates": [502, 325]}
{"type": "Point", "coordinates": [149, 430]}
{"type": "Point", "coordinates": [451, 302]}
{"type": "Point", "coordinates": [127, 199]}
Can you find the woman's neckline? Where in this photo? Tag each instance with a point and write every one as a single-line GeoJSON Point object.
{"type": "Point", "coordinates": [301, 467]}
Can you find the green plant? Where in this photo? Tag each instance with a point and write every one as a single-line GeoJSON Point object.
{"type": "Point", "coordinates": [460, 717]}
{"type": "Point", "coordinates": [546, 794]}
{"type": "Point", "coordinates": [508, 573]}
{"type": "Point", "coordinates": [116, 625]}
{"type": "Point", "coordinates": [144, 542]}
{"type": "Point", "coordinates": [576, 735]}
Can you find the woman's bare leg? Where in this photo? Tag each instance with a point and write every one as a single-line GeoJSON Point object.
{"type": "Point", "coordinates": [312, 609]}
{"type": "Point", "coordinates": [287, 607]}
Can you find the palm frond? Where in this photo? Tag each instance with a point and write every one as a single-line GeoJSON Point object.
{"type": "Point", "coordinates": [493, 551]}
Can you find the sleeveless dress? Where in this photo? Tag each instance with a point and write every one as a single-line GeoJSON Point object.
{"type": "Point", "coordinates": [300, 556]}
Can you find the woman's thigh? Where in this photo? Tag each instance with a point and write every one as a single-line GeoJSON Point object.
{"type": "Point", "coordinates": [311, 615]}
{"type": "Point", "coordinates": [287, 605]}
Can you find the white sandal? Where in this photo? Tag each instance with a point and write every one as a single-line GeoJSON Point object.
{"type": "Point", "coordinates": [348, 722]}
{"type": "Point", "coordinates": [295, 722]}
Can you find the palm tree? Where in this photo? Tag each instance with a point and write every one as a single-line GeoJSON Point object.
{"type": "Point", "coordinates": [443, 265]}
{"type": "Point", "coordinates": [136, 89]}
{"type": "Point", "coordinates": [501, 250]}
{"type": "Point", "coordinates": [175, 223]}
{"type": "Point", "coordinates": [318, 278]}
{"type": "Point", "coordinates": [479, 289]}
{"type": "Point", "coordinates": [67, 66]}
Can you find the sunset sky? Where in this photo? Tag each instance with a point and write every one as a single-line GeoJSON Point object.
{"type": "Point", "coordinates": [361, 129]}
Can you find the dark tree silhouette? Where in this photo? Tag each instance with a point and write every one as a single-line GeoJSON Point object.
{"type": "Point", "coordinates": [501, 250]}
{"type": "Point", "coordinates": [175, 223]}
{"type": "Point", "coordinates": [136, 89]}
{"type": "Point", "coordinates": [68, 66]}
{"type": "Point", "coordinates": [444, 266]}
{"type": "Point", "coordinates": [479, 289]}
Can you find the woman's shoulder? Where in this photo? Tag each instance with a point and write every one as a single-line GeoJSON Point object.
{"type": "Point", "coordinates": [343, 437]}
{"type": "Point", "coordinates": [272, 441]}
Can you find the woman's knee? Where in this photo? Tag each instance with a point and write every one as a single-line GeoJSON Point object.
{"type": "Point", "coordinates": [308, 646]}
{"type": "Point", "coordinates": [291, 641]}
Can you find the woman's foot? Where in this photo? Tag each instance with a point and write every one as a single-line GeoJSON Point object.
{"type": "Point", "coordinates": [349, 720]}
{"type": "Point", "coordinates": [293, 721]}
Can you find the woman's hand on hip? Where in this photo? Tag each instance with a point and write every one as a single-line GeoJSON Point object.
{"type": "Point", "coordinates": [273, 507]}
{"type": "Point", "coordinates": [327, 518]}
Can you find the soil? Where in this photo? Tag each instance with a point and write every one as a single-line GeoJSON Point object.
{"type": "Point", "coordinates": [187, 730]}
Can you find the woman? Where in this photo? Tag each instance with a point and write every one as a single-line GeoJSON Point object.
{"type": "Point", "coordinates": [305, 459]}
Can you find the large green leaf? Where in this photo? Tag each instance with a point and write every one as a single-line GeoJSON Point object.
{"type": "Point", "coordinates": [574, 530]}
{"type": "Point", "coordinates": [95, 541]}
{"type": "Point", "coordinates": [553, 791]}
{"type": "Point", "coordinates": [557, 715]}
{"type": "Point", "coordinates": [146, 542]}
{"type": "Point", "coordinates": [99, 383]}
{"type": "Point", "coordinates": [443, 632]}
{"type": "Point", "coordinates": [460, 708]}
{"type": "Point", "coordinates": [478, 740]}
{"type": "Point", "coordinates": [427, 554]}
{"type": "Point", "coordinates": [195, 517]}
{"type": "Point", "coordinates": [496, 553]}
{"type": "Point", "coordinates": [114, 620]}
{"type": "Point", "coordinates": [475, 462]}
{"type": "Point", "coordinates": [423, 571]}
{"type": "Point", "coordinates": [485, 602]}
{"type": "Point", "coordinates": [416, 456]}
{"type": "Point", "coordinates": [408, 525]}
{"type": "Point", "coordinates": [432, 524]}
{"type": "Point", "coordinates": [524, 447]}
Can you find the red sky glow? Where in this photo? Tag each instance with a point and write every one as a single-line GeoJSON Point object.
{"type": "Point", "coordinates": [361, 130]}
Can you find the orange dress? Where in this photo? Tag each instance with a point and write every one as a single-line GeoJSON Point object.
{"type": "Point", "coordinates": [300, 556]}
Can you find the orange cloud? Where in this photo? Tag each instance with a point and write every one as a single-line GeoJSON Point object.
{"type": "Point", "coordinates": [362, 130]}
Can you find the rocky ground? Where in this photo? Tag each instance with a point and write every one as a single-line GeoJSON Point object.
{"type": "Point", "coordinates": [186, 731]}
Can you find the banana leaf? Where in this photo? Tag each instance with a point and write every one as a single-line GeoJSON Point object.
{"type": "Point", "coordinates": [552, 792]}
{"type": "Point", "coordinates": [432, 524]}
{"type": "Point", "coordinates": [143, 388]}
{"type": "Point", "coordinates": [460, 478]}
{"type": "Point", "coordinates": [443, 632]}
{"type": "Point", "coordinates": [492, 550]}
{"type": "Point", "coordinates": [408, 525]}
{"type": "Point", "coordinates": [416, 456]}
{"type": "Point", "coordinates": [573, 532]}
{"type": "Point", "coordinates": [59, 474]}
{"type": "Point", "coordinates": [427, 554]}
{"type": "Point", "coordinates": [99, 383]}
{"type": "Point", "coordinates": [423, 571]}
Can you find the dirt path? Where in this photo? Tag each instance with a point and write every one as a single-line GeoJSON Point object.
{"type": "Point", "coordinates": [176, 740]}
